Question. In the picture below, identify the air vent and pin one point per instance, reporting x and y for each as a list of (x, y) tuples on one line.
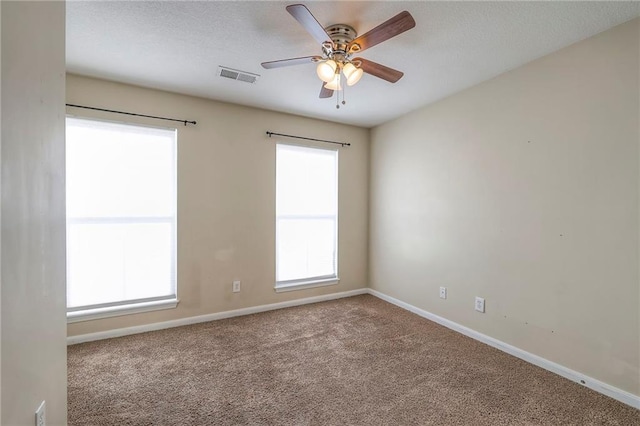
[(238, 75)]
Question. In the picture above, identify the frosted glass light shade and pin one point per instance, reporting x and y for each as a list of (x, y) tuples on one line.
[(326, 70), (334, 84), (352, 74)]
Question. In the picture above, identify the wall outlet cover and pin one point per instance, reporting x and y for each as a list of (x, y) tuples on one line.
[(443, 292), (236, 286), (479, 304)]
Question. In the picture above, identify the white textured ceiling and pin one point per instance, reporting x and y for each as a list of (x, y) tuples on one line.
[(178, 45)]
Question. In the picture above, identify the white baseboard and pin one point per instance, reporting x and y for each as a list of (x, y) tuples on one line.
[(72, 340), (598, 386)]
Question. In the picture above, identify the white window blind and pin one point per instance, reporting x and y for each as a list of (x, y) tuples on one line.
[(306, 215), (121, 214)]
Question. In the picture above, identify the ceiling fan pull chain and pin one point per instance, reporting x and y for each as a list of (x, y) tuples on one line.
[(338, 92), (344, 90)]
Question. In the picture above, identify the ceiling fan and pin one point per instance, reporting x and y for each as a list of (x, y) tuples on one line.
[(339, 43)]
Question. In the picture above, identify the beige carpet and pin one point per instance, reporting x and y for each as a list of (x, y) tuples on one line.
[(355, 361)]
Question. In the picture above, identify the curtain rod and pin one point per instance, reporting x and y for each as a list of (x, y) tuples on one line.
[(307, 139), (131, 113)]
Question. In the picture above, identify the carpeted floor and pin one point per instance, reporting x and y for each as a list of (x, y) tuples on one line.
[(354, 361)]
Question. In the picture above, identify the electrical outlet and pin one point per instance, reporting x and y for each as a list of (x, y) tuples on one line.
[(40, 415), (236, 286), (479, 304), (443, 292)]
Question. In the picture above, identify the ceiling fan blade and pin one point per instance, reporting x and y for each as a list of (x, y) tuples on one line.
[(309, 22), (400, 23), (379, 70), (288, 62), (325, 93)]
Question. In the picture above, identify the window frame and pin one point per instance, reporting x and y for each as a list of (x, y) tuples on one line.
[(316, 281), (132, 306)]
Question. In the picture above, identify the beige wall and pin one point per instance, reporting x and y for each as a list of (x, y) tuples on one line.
[(523, 190), (226, 198), (33, 240)]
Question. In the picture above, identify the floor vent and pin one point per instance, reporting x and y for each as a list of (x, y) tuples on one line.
[(247, 77)]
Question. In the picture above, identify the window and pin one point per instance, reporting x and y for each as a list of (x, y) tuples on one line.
[(121, 218), (306, 217)]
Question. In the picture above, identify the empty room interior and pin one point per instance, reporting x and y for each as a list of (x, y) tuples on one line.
[(366, 213)]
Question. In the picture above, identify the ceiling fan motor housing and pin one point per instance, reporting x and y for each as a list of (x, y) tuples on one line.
[(341, 35)]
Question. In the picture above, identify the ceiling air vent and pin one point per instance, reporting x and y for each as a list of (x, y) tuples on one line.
[(247, 77)]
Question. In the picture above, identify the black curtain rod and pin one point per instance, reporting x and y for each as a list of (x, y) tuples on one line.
[(308, 139), (131, 113)]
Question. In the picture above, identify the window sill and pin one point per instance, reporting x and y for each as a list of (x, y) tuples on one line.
[(115, 311), (302, 285)]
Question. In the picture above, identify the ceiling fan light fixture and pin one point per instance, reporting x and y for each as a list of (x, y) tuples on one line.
[(334, 84), (326, 70), (352, 73)]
